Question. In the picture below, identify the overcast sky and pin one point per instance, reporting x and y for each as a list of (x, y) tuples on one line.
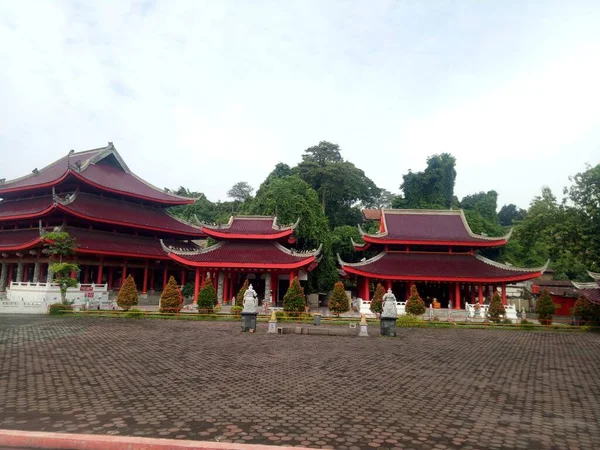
[(205, 94)]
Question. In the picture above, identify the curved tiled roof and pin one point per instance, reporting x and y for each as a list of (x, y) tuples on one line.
[(250, 227), (14, 240), (95, 208), (415, 266), (87, 166), (436, 227), (245, 254)]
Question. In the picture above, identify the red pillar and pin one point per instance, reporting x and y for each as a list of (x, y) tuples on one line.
[(165, 276), (494, 287), (152, 276), (226, 287), (99, 277), (274, 283), (291, 277), (388, 284), (25, 273), (124, 274), (111, 271), (472, 289), (504, 294), (365, 294), (204, 278), (145, 285), (11, 272), (197, 285), (480, 294), (409, 286), (182, 277), (457, 295), (86, 274)]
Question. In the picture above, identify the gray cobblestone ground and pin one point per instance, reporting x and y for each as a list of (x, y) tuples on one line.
[(428, 388)]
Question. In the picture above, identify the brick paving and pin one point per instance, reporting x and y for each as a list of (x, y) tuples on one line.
[(427, 388)]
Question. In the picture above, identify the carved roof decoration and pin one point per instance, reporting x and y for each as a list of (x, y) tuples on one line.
[(103, 168), (250, 227), (429, 227)]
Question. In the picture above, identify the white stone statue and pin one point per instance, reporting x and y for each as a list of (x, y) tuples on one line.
[(250, 300), (389, 305)]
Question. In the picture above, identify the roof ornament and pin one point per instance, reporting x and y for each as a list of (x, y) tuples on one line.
[(35, 172), (78, 165), (71, 152), (2, 180)]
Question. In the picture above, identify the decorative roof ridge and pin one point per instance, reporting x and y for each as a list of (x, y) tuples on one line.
[(180, 220), (168, 249), (433, 212), (293, 252), (277, 226), (507, 267), (594, 275), (102, 153), (355, 244), (366, 262), (586, 285), (70, 198), (506, 237), (216, 226), (376, 235)]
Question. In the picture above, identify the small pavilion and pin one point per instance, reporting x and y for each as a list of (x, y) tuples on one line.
[(437, 251), (247, 247)]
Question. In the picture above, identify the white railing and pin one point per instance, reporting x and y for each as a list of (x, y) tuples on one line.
[(365, 307)]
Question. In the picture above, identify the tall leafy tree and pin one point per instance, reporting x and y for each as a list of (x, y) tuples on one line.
[(61, 247), (509, 214), (340, 185), (432, 188), (240, 191)]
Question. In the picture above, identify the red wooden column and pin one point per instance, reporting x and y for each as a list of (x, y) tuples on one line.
[(165, 276), (99, 277), (494, 287), (197, 285), (182, 277), (504, 294), (145, 285), (152, 276), (11, 273), (472, 288), (457, 295), (124, 274), (274, 283), (86, 274), (226, 293), (480, 294), (292, 276), (365, 286), (409, 286), (388, 284), (204, 273), (111, 271), (25, 272)]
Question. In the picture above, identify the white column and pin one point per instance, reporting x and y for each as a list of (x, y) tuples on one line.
[(50, 276), (36, 272), (267, 286), (19, 272), (221, 279)]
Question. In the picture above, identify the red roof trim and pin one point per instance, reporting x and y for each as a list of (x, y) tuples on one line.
[(128, 224), (295, 265), (29, 216), (130, 255), (37, 186), (130, 194), (497, 243), (220, 235), (25, 246), (523, 277)]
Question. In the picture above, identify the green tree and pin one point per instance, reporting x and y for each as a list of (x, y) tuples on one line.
[(377, 300), (207, 297), (509, 214), (241, 191), (293, 300), (485, 203), (60, 245), (338, 302), (496, 309), (415, 305), (434, 187), (586, 310), (128, 295), (338, 183), (239, 298), (171, 299), (290, 198), (342, 241), (544, 308)]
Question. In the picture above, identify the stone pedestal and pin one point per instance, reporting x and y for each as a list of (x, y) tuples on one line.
[(272, 327), (249, 321), (362, 331), (388, 326)]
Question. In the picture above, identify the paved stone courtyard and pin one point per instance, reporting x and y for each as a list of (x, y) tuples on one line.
[(428, 388)]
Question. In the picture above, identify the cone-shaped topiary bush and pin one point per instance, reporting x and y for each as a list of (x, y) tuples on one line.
[(338, 303), (293, 300), (170, 299), (128, 295), (207, 297), (588, 311), (544, 308), (414, 304), (239, 298), (496, 308), (377, 301)]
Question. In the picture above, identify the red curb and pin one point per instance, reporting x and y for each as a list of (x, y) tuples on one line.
[(67, 441)]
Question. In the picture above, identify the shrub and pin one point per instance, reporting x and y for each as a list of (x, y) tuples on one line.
[(57, 309), (414, 304), (409, 321), (135, 313), (170, 299), (128, 296), (544, 308), (496, 308), (338, 303), (377, 301), (207, 297), (584, 309), (507, 322), (239, 298), (293, 299), (235, 309), (188, 290)]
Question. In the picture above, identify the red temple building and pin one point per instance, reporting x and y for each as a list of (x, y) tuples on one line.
[(591, 291), (116, 218), (248, 247), (437, 251)]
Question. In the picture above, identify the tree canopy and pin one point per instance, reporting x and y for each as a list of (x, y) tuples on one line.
[(432, 188)]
